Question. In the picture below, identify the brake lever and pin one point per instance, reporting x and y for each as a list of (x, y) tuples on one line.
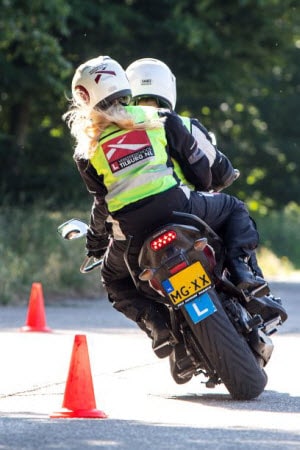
[(88, 266)]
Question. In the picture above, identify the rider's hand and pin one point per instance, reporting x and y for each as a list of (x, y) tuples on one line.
[(96, 245), (97, 254)]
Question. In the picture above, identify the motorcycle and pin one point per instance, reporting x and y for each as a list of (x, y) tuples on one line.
[(217, 330)]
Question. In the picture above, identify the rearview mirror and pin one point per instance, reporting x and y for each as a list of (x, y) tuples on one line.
[(72, 229)]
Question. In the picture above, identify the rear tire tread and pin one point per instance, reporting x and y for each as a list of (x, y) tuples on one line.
[(230, 355)]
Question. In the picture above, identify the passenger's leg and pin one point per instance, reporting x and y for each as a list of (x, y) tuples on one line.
[(229, 217)]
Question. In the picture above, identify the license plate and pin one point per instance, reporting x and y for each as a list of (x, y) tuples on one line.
[(187, 283)]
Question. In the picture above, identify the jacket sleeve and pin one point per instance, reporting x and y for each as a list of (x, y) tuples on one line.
[(223, 173), (184, 148), (97, 234)]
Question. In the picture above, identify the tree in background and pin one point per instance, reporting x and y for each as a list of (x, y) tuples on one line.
[(33, 78), (236, 66)]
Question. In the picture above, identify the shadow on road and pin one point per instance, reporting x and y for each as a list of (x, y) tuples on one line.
[(268, 401)]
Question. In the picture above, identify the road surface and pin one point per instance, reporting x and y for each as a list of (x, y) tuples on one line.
[(145, 408)]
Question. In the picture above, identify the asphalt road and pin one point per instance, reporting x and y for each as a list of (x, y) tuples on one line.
[(145, 408)]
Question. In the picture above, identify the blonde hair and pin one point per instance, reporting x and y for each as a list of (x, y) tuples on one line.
[(87, 125)]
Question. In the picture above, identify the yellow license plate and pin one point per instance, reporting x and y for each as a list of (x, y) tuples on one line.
[(187, 283)]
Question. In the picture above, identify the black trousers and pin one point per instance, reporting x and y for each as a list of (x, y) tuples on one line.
[(228, 217), (128, 297), (225, 214)]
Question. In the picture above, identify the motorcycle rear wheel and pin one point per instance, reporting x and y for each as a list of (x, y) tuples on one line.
[(229, 354)]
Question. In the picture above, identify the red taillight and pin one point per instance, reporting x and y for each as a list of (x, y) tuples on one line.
[(163, 240)]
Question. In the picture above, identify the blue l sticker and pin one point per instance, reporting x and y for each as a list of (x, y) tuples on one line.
[(200, 308)]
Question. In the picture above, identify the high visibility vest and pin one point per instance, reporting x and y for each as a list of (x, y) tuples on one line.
[(133, 163), (187, 123)]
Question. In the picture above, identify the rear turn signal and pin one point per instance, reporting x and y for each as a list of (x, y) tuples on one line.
[(200, 244), (163, 240), (146, 275)]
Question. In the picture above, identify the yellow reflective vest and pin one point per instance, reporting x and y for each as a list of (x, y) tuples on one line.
[(133, 163)]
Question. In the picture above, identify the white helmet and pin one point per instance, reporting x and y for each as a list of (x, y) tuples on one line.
[(149, 77), (100, 81)]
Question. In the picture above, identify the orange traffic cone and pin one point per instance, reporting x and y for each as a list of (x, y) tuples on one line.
[(36, 317), (79, 397)]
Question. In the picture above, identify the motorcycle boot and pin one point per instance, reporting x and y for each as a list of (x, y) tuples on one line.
[(180, 365), (242, 276), (253, 263), (158, 330), (268, 307)]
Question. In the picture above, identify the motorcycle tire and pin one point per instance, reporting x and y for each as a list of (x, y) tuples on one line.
[(229, 354)]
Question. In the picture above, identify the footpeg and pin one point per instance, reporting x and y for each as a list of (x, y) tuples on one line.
[(267, 306), (181, 364), (165, 348), (260, 291), (271, 326)]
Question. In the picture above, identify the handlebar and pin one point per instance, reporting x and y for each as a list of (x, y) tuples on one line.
[(87, 264)]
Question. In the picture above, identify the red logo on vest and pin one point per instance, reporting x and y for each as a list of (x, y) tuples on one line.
[(127, 150)]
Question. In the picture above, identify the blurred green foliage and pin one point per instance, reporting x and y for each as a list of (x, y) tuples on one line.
[(279, 231), (237, 69), (236, 64), (32, 251)]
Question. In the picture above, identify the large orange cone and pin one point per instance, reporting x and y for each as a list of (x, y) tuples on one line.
[(36, 317), (79, 397)]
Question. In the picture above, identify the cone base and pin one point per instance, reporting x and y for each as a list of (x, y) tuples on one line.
[(37, 329), (79, 414)]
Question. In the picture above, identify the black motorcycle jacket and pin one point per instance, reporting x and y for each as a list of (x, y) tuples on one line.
[(223, 173), (180, 145)]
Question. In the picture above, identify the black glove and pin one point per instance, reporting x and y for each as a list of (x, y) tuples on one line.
[(96, 245), (97, 254)]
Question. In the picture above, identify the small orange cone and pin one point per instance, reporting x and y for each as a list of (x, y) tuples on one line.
[(79, 397), (36, 317)]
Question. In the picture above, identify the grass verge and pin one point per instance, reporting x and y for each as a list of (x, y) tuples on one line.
[(32, 251)]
